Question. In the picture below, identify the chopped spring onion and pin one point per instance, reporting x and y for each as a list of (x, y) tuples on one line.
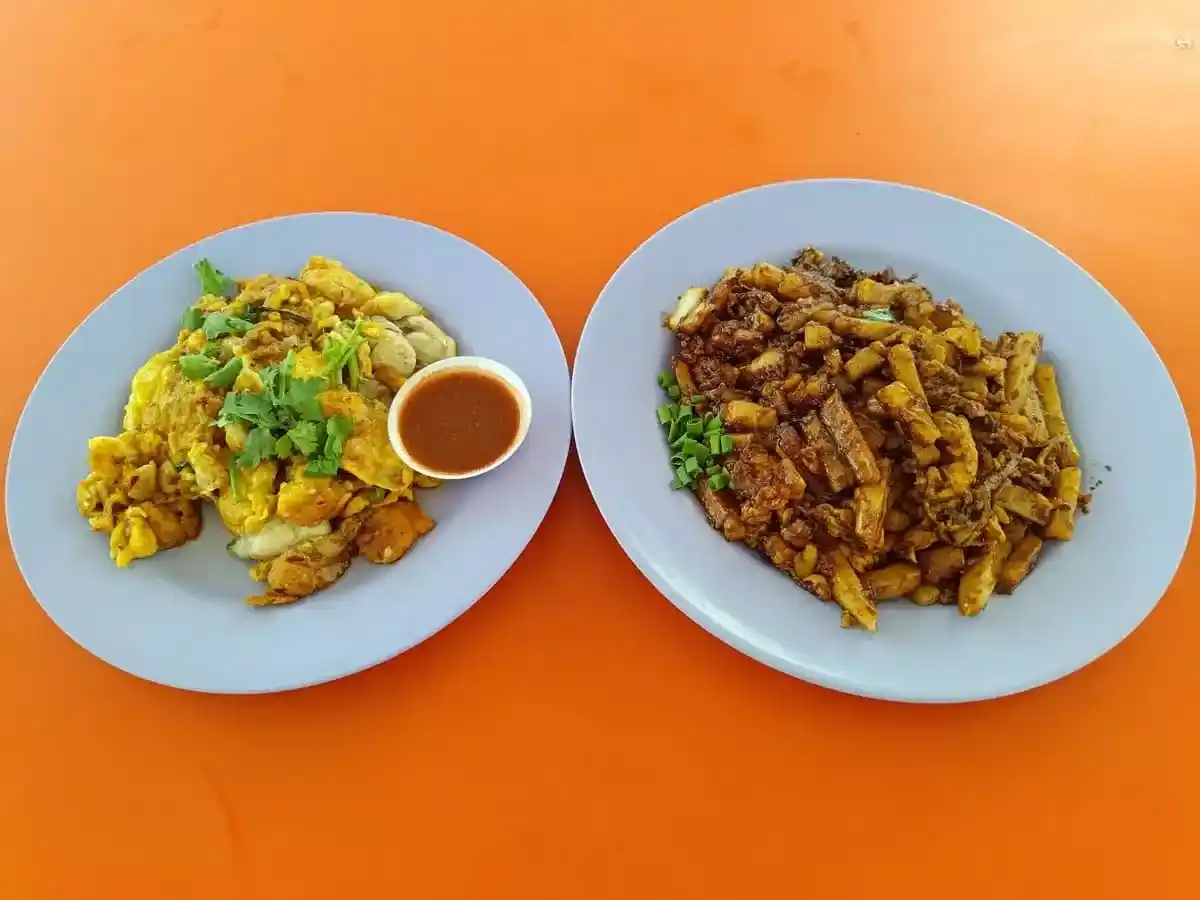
[(879, 314), (696, 439), (695, 450)]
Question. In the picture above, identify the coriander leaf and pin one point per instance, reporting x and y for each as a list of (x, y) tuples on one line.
[(283, 447), (219, 325), (327, 463), (273, 379), (320, 467), (337, 429), (225, 376), (305, 437), (247, 407), (301, 395), (260, 445), (212, 279), (193, 318), (879, 314), (196, 366)]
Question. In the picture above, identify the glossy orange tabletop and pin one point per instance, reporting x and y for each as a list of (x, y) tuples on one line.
[(574, 736)]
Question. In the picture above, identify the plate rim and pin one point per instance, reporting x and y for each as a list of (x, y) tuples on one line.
[(560, 468), (814, 674)]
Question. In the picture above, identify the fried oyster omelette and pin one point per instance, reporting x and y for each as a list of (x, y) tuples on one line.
[(272, 405), (870, 442)]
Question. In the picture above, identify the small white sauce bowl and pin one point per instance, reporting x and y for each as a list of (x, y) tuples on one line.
[(461, 364)]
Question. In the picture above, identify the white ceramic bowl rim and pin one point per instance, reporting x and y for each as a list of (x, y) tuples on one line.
[(460, 364)]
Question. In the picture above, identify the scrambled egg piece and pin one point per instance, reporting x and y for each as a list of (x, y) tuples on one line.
[(368, 453), (161, 400), (305, 500), (247, 505), (145, 485), (331, 279), (136, 497)]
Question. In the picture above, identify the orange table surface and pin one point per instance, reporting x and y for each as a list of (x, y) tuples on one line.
[(574, 736)]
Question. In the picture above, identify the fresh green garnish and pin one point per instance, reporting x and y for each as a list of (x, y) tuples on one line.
[(212, 279), (253, 409), (193, 318), (341, 353), (220, 324), (260, 445), (197, 365), (337, 429), (696, 439), (286, 419), (301, 396), (202, 365), (225, 376), (878, 314), (305, 436)]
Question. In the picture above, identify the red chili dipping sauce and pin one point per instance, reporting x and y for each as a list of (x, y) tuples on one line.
[(459, 421)]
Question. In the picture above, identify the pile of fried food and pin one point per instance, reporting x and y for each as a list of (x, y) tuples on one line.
[(272, 405), (883, 446)]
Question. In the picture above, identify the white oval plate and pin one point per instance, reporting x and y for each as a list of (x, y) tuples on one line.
[(178, 618), (1084, 596)]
